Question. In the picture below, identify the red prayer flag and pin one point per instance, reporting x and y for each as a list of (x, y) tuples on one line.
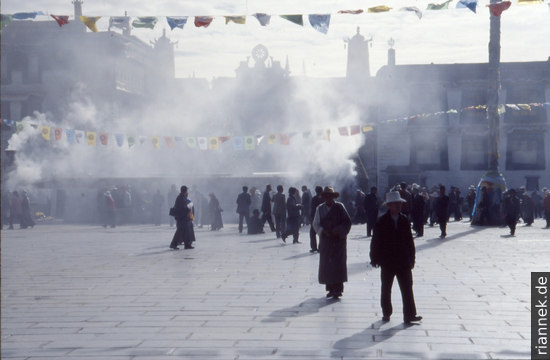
[(499, 7), (223, 139), (104, 138), (169, 141), (203, 21), (61, 19), (58, 132), (355, 129), (285, 139), (343, 131)]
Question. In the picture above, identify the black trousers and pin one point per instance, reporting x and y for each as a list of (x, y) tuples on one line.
[(404, 278), (511, 222), (280, 223), (183, 235), (443, 227), (313, 239), (241, 217), (267, 217)]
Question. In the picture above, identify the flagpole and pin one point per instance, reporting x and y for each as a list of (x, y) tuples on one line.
[(493, 180)]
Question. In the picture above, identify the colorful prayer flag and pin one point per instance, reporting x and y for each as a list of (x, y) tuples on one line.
[(5, 20), (213, 143), (470, 4), (262, 18), (58, 132), (61, 19), (169, 141), (441, 6), (259, 139), (284, 139), (203, 21), (104, 138), (320, 22), (203, 143), (238, 143), (367, 128), (119, 139), (121, 22), (249, 142), (69, 133), (520, 2), (343, 131), (176, 22), (235, 19), (223, 139), (379, 9), (91, 136), (25, 15), (271, 139), (131, 140), (191, 142), (79, 136), (354, 12), (156, 142), (45, 130), (90, 21), (145, 22), (413, 9), (19, 126), (497, 8), (355, 129), (297, 19)]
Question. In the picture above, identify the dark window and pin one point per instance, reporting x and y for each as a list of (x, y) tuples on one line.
[(429, 151), (474, 153), (525, 151)]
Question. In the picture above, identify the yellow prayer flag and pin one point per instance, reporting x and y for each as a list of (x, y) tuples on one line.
[(529, 2), (90, 21), (213, 143), (236, 19), (46, 132), (272, 139), (92, 138), (367, 128), (156, 142), (378, 9)]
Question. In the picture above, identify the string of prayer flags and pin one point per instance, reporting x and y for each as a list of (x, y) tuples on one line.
[(343, 131), (61, 19), (413, 9), (148, 22), (264, 19), (354, 12), (320, 22), (90, 22), (235, 19), (296, 19), (498, 8), (203, 21), (176, 21)]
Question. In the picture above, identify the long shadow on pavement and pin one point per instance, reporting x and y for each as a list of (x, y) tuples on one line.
[(353, 346), (310, 306)]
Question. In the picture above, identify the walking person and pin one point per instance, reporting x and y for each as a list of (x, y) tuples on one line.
[(26, 214), (417, 210), (442, 211), (512, 210), (266, 208), (243, 207), (216, 222), (293, 216), (315, 202), (279, 211), (184, 214), (527, 207), (333, 224), (372, 206), (392, 249), (306, 206)]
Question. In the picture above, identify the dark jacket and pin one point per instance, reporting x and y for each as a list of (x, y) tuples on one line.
[(279, 204), (442, 208), (390, 246), (372, 204), (292, 207), (266, 203), (417, 209), (333, 246), (183, 213), (243, 203)]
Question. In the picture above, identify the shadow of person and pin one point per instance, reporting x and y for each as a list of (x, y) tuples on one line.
[(310, 306), (354, 346)]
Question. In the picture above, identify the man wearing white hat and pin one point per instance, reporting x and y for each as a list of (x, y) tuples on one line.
[(392, 248)]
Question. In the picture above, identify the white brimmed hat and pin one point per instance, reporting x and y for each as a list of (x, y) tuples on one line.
[(394, 196)]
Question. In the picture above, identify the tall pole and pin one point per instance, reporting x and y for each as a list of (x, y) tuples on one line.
[(492, 184)]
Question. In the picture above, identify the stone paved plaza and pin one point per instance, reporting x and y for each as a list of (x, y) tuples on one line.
[(85, 292)]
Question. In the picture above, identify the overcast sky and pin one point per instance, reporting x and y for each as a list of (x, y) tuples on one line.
[(446, 36)]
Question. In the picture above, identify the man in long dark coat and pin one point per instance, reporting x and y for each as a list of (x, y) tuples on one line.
[(372, 204), (293, 217), (183, 209), (243, 207), (266, 208), (442, 211), (512, 210), (333, 224), (392, 248)]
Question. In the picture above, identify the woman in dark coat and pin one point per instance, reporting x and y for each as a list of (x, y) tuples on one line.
[(215, 210), (333, 224)]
